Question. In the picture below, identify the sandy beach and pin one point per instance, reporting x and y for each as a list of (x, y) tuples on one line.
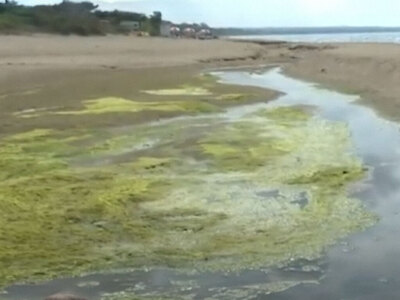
[(369, 70), (126, 152), (51, 51), (189, 150), (52, 71)]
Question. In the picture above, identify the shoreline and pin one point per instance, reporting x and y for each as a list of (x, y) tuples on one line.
[(366, 69), (371, 71)]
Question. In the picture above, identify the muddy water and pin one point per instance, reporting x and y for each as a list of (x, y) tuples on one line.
[(365, 266)]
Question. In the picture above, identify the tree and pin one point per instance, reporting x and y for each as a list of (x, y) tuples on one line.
[(76, 7), (155, 23)]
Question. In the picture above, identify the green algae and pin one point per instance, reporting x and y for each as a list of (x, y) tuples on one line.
[(52, 226), (210, 194), (279, 229), (285, 115), (201, 85), (185, 90), (50, 214), (248, 145), (233, 97), (241, 147), (31, 135), (333, 176), (200, 95), (207, 85), (16, 161), (118, 105), (289, 114)]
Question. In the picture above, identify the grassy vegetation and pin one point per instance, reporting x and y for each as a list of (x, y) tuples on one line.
[(71, 18)]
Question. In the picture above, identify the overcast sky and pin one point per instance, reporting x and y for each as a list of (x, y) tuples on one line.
[(259, 13)]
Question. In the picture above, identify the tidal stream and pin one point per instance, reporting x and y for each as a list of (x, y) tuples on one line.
[(364, 266)]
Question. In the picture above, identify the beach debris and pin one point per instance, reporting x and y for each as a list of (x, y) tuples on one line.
[(310, 47), (303, 47)]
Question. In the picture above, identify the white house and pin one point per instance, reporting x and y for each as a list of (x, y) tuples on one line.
[(165, 29)]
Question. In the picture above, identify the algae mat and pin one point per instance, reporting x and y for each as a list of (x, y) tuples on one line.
[(220, 192)]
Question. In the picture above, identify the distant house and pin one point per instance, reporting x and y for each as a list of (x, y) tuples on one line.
[(189, 33), (130, 25), (165, 28), (204, 34), (175, 32)]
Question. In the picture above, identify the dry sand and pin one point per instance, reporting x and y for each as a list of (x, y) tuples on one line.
[(31, 62), (48, 51)]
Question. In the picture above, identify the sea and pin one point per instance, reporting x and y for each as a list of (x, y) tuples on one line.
[(365, 37)]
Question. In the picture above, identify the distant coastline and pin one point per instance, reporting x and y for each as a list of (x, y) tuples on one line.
[(392, 37), (232, 31)]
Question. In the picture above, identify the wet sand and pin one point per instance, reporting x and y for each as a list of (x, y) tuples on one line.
[(55, 72), (369, 70)]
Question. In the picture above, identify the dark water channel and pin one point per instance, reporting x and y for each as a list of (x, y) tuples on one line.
[(364, 266)]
